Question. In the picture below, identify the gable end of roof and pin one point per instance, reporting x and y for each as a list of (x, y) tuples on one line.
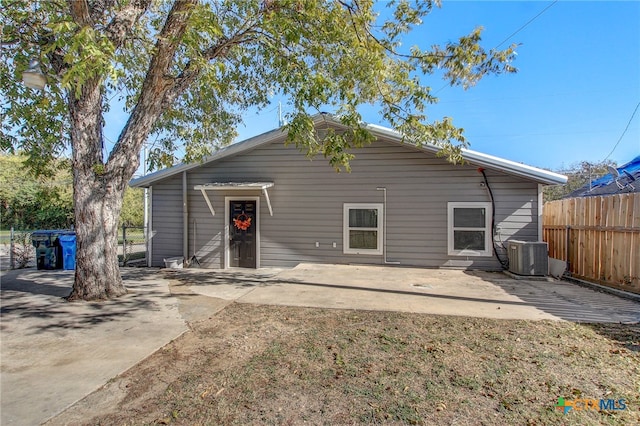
[(477, 158)]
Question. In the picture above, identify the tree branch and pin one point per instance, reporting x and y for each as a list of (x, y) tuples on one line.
[(80, 13), (124, 160), (98, 8), (219, 50), (119, 27)]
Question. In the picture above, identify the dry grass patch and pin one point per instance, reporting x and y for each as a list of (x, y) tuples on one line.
[(280, 365)]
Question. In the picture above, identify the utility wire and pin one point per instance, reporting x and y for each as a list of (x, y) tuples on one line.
[(527, 23), (624, 132), (512, 34)]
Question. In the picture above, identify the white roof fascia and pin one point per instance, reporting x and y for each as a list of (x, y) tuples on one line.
[(524, 170)]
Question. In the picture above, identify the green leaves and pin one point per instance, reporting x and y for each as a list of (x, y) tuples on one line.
[(29, 202), (88, 54), (334, 144)]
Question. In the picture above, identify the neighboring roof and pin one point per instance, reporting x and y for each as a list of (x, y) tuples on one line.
[(620, 180), (474, 157)]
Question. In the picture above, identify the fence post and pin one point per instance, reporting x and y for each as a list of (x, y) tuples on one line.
[(568, 236), (124, 245), (12, 260)]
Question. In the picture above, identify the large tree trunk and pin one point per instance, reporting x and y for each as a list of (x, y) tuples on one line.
[(97, 196), (97, 276)]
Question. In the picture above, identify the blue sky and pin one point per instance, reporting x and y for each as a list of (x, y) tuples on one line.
[(578, 82), (577, 86)]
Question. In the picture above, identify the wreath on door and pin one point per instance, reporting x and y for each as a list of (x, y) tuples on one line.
[(242, 221)]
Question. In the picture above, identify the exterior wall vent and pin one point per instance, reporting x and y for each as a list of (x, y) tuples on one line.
[(528, 257)]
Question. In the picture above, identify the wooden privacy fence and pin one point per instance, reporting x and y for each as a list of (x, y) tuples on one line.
[(598, 237)]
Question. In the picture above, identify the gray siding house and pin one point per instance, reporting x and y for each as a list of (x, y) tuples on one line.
[(259, 203)]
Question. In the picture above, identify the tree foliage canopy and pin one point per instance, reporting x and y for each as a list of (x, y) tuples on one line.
[(28, 202), (215, 59), (132, 208)]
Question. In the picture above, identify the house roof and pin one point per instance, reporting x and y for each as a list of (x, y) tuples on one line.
[(473, 157), (620, 180)]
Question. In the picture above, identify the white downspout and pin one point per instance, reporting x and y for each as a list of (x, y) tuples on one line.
[(384, 226), (185, 218), (540, 212), (149, 225)]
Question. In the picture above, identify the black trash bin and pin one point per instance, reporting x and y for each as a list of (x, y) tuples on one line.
[(45, 251)]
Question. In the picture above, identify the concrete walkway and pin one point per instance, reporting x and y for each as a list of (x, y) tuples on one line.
[(54, 353)]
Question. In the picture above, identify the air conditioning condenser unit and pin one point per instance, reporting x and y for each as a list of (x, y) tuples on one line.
[(528, 257)]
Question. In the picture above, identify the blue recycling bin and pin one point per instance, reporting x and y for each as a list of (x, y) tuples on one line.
[(68, 244)]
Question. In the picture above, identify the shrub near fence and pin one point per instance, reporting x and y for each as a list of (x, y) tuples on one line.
[(598, 237)]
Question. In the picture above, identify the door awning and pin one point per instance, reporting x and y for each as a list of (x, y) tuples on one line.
[(234, 186)]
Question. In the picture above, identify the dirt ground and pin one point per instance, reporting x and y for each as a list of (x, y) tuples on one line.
[(253, 364)]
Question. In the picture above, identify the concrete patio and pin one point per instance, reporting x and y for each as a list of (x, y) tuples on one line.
[(429, 291)]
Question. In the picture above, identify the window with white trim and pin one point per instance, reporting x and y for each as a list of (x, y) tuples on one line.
[(469, 229), (362, 228)]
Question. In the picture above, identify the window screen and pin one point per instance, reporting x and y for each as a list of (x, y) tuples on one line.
[(469, 232), (363, 228)]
